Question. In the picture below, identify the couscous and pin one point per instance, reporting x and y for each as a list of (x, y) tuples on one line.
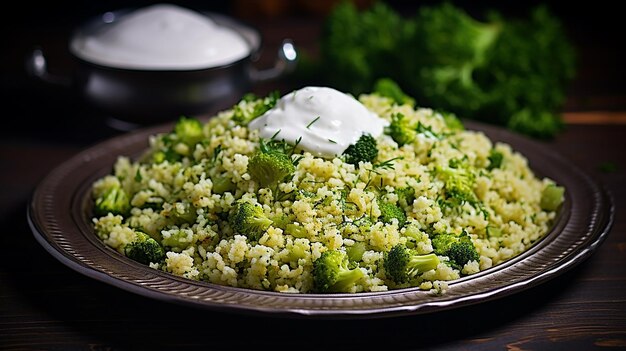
[(408, 199)]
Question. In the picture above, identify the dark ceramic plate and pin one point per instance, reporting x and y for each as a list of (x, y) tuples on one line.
[(58, 215)]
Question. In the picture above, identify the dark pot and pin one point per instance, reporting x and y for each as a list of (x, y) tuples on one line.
[(141, 97)]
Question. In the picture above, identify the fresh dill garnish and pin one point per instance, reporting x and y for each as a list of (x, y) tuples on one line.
[(216, 153), (275, 134), (388, 164), (332, 141), (313, 121)]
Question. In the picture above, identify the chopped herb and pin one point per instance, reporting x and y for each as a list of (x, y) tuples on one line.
[(216, 152), (332, 141), (313, 121), (138, 176), (388, 164), (275, 134)]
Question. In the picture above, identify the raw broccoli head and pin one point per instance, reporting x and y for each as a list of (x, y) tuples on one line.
[(459, 249), (389, 211), (332, 274), (455, 45), (144, 249), (269, 168), (113, 200), (364, 150), (189, 130), (357, 48), (250, 220), (403, 264)]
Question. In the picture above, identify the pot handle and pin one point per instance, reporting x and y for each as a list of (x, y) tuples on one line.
[(285, 63), (37, 67)]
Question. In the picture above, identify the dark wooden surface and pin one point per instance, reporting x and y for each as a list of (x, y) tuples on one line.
[(46, 305)]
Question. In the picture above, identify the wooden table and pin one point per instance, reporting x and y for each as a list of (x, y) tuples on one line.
[(46, 305)]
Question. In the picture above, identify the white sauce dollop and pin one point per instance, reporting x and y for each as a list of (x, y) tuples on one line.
[(162, 37), (327, 120)]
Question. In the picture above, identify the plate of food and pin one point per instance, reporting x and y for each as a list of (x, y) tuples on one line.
[(321, 204)]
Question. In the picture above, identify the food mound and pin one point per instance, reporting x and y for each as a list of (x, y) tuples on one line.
[(321, 192)]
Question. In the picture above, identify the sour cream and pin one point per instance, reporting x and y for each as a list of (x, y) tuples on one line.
[(161, 37), (325, 120)]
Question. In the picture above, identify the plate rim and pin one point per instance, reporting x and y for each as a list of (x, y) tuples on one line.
[(595, 235)]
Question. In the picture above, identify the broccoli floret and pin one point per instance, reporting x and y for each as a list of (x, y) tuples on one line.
[(389, 211), (144, 249), (113, 200), (406, 196), (223, 184), (388, 88), (250, 107), (459, 249), (187, 215), (270, 168), (250, 220), (413, 235), (356, 251), (401, 130), (551, 197), (272, 163), (295, 230), (458, 185), (495, 159), (493, 232), (403, 264), (332, 274), (189, 130), (364, 150)]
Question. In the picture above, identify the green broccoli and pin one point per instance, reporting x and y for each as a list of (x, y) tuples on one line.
[(113, 200), (332, 274), (551, 197), (413, 235), (223, 184), (270, 168), (388, 88), (297, 231), (459, 249), (188, 215), (403, 264), (144, 249), (406, 196), (495, 159), (364, 150), (356, 251), (251, 107), (509, 71), (189, 130), (401, 130), (389, 211), (272, 163), (458, 185), (250, 220)]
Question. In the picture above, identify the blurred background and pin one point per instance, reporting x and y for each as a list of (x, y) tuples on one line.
[(40, 112)]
